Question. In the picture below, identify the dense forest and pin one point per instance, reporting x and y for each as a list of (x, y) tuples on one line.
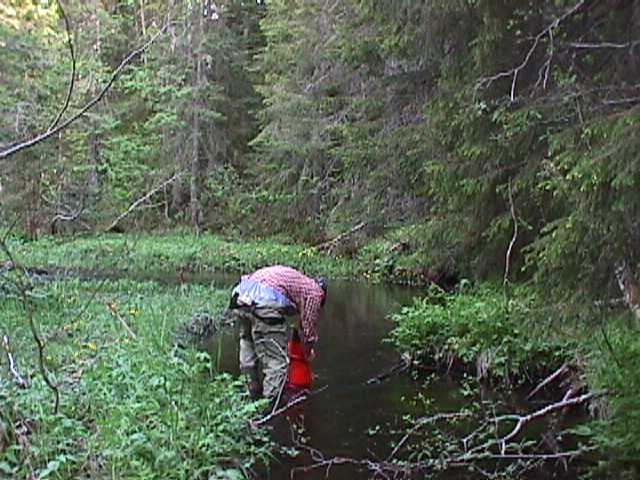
[(485, 140), (440, 126)]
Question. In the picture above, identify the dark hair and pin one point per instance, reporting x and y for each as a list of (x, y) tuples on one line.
[(322, 283)]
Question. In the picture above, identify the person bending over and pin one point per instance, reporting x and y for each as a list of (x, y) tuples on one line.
[(261, 301)]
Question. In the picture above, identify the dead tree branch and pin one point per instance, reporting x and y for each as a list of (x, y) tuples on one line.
[(143, 199), (559, 372), (61, 126), (514, 72), (291, 403), (66, 216), (514, 237), (20, 380), (329, 245), (32, 325), (604, 45), (525, 419), (629, 287)]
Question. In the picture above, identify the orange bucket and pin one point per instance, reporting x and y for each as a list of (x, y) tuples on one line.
[(300, 375)]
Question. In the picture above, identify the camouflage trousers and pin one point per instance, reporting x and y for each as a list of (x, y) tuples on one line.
[(263, 351)]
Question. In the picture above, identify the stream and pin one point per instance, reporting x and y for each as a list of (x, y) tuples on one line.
[(349, 417), (340, 419)]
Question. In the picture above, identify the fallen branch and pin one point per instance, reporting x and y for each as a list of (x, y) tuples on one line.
[(143, 199), (20, 380), (331, 244), (561, 371)]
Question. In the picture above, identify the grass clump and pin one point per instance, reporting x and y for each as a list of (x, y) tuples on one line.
[(174, 252)]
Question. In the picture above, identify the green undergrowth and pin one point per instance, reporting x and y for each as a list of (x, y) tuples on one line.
[(131, 404), (387, 259), (174, 252), (614, 366), (522, 340), (480, 330)]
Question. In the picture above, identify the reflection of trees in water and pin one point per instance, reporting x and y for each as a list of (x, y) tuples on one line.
[(357, 311)]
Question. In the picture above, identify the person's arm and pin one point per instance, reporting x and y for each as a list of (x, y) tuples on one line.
[(310, 314)]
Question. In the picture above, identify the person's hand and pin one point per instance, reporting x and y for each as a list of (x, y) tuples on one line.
[(309, 352)]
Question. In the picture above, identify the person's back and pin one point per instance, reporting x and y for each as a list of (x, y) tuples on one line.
[(262, 300)]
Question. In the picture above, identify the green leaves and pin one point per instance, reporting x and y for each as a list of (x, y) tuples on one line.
[(131, 407), (478, 327)]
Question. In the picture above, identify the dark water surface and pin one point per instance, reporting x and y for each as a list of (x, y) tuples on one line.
[(348, 417), (341, 418)]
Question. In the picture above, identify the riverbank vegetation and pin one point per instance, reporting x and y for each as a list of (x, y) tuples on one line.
[(437, 141), (129, 403), (518, 341)]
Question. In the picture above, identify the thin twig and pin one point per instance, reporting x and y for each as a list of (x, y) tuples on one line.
[(421, 422), (114, 311), (50, 132), (72, 79)]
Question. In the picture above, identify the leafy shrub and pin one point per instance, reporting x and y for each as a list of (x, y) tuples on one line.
[(478, 328), (131, 407), (616, 369)]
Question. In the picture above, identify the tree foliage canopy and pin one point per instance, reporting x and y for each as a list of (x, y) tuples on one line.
[(306, 118)]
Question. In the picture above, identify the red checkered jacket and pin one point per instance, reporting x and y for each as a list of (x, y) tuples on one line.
[(303, 291)]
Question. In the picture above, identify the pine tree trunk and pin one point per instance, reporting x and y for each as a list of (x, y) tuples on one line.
[(196, 169)]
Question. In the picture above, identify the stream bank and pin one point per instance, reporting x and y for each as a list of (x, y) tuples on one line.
[(353, 334)]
